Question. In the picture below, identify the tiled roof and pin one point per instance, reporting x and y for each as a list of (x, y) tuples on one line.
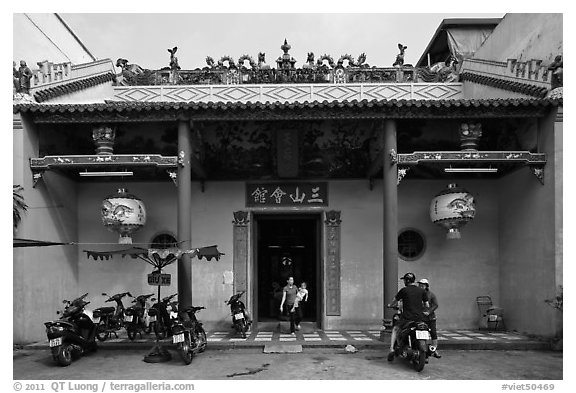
[(67, 88), (114, 111), (500, 83), (139, 106)]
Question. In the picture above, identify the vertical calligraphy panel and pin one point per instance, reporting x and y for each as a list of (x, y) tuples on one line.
[(333, 263), (240, 253)]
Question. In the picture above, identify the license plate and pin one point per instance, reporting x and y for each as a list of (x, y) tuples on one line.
[(128, 318), (422, 335), (55, 342), (239, 316), (178, 338), (152, 318)]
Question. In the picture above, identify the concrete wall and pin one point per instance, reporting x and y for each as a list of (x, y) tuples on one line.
[(42, 276), (458, 270), (524, 37), (531, 246), (39, 37), (449, 265)]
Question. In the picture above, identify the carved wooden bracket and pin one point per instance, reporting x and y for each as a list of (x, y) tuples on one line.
[(538, 171), (402, 171)]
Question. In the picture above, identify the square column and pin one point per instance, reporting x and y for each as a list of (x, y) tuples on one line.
[(390, 212), (184, 213)]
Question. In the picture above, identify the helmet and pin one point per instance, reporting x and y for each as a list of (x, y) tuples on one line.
[(424, 281), (408, 277)]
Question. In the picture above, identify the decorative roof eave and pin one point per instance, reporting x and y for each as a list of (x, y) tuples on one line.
[(504, 84), (374, 109), (67, 88)]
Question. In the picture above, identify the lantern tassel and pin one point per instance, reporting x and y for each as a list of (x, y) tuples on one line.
[(453, 233)]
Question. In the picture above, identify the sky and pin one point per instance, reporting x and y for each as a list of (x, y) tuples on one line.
[(143, 39)]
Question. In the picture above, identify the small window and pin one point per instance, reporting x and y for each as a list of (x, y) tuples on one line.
[(411, 244), (164, 240)]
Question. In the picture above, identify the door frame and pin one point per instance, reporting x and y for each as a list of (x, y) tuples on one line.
[(315, 214)]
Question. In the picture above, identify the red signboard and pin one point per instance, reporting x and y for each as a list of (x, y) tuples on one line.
[(287, 194)]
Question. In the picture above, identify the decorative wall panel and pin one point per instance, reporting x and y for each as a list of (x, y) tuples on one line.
[(332, 281), (289, 93)]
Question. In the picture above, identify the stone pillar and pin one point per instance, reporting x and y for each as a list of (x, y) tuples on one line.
[(184, 213), (390, 212)]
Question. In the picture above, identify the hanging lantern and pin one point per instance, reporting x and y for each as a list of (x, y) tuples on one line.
[(123, 213), (452, 208)]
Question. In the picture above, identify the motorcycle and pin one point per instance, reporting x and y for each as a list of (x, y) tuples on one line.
[(188, 334), (240, 320), (162, 322), (74, 334), (135, 319), (412, 341), (110, 319)]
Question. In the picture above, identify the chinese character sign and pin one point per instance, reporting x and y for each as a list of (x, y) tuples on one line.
[(287, 194)]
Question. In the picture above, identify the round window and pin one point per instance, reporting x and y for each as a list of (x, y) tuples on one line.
[(411, 244), (164, 240)]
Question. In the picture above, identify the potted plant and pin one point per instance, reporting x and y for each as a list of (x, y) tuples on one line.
[(558, 303)]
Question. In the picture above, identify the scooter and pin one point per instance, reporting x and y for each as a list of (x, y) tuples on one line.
[(412, 342), (135, 319), (162, 323), (110, 319), (240, 320), (188, 334), (74, 334)]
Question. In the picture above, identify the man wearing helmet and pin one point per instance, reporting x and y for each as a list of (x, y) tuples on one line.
[(430, 314), (414, 299)]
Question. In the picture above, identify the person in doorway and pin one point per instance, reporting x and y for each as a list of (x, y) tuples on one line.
[(301, 296), (288, 298), (414, 299), (430, 315)]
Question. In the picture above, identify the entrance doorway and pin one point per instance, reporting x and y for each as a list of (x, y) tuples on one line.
[(287, 245)]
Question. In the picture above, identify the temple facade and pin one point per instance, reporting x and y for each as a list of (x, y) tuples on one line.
[(343, 174)]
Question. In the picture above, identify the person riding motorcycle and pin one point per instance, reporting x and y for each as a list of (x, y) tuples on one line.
[(414, 299)]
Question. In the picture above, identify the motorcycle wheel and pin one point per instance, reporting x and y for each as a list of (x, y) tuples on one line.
[(185, 352), (131, 333), (64, 357), (101, 332), (421, 360), (202, 340), (241, 327), (159, 330)]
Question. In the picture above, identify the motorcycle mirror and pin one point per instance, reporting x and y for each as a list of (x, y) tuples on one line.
[(104, 294), (65, 301)]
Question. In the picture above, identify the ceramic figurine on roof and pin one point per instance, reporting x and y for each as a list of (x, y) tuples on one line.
[(309, 61), (557, 72), (173, 59), (24, 76), (262, 61), (400, 56), (15, 77), (286, 61)]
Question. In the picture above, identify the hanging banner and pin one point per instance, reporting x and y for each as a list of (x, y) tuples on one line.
[(286, 194)]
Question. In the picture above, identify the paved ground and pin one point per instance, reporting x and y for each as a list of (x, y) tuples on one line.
[(221, 363)]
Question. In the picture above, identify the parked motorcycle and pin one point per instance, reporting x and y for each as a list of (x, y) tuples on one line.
[(162, 322), (135, 319), (188, 334), (412, 342), (110, 319), (240, 320), (74, 334)]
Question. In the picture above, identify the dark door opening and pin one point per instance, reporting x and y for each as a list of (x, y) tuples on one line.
[(287, 245)]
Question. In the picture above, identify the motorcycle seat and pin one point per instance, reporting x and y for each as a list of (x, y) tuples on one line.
[(192, 309), (105, 310)]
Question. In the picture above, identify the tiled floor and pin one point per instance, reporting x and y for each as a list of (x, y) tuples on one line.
[(329, 337)]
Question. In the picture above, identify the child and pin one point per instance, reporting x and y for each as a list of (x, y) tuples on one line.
[(301, 295)]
